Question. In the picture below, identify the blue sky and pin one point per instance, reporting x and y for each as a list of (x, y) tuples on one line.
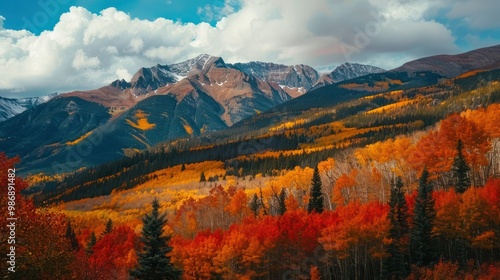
[(19, 12), (62, 45)]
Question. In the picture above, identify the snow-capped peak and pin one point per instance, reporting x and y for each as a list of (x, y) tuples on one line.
[(201, 62), (349, 70), (11, 107)]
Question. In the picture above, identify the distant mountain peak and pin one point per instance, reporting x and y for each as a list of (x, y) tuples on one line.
[(10, 107), (351, 70), (347, 71), (201, 62), (298, 76), (149, 79), (120, 84)]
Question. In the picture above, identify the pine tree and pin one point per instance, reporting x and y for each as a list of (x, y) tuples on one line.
[(183, 167), (316, 197), (153, 261), (92, 241), (460, 170), (281, 202), (462, 183), (109, 227), (397, 265), (71, 236), (255, 204), (422, 244), (202, 177)]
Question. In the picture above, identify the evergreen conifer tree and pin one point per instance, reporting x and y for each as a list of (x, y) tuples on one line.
[(92, 241), (316, 197), (154, 263), (422, 244), (460, 170), (202, 177), (108, 229), (71, 236), (397, 265)]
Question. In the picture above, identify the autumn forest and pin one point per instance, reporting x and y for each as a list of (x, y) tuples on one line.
[(402, 183)]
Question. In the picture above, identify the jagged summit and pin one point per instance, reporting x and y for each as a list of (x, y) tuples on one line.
[(10, 107), (149, 79), (201, 62), (347, 71), (120, 84), (293, 76)]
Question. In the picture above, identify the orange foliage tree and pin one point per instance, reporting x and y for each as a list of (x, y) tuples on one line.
[(437, 149), (358, 235), (41, 248)]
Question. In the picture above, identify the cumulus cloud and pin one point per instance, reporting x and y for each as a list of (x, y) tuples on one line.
[(476, 14), (82, 61), (86, 50)]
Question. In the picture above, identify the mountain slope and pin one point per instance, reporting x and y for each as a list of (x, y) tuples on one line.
[(45, 130), (240, 95), (9, 108), (454, 65)]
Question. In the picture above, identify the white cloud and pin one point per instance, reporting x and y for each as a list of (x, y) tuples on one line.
[(122, 73), (476, 14), (112, 50), (136, 45), (82, 61), (86, 50)]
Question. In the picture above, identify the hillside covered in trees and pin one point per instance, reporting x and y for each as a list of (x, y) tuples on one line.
[(393, 185)]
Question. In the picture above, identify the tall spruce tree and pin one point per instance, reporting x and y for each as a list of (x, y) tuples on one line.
[(422, 243), (460, 170), (108, 228), (315, 196), (397, 265), (462, 183), (154, 264), (92, 241), (71, 236)]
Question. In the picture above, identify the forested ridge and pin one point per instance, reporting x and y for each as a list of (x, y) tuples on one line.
[(399, 185)]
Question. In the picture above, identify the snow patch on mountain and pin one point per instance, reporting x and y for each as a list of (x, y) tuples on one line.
[(347, 71), (293, 76), (10, 107)]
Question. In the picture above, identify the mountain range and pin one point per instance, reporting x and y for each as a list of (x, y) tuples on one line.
[(193, 99), (10, 107), (346, 71)]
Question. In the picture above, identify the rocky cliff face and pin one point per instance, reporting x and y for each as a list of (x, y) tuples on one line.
[(346, 71), (291, 76)]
